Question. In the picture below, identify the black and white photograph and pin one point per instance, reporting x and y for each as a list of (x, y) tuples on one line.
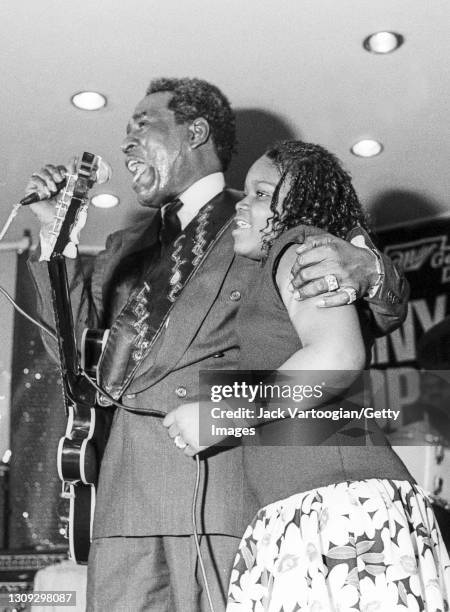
[(225, 306)]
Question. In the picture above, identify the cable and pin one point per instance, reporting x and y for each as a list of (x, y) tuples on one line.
[(9, 220), (195, 533), (26, 315), (155, 413)]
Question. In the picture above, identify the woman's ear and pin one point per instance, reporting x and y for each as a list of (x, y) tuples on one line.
[(199, 132)]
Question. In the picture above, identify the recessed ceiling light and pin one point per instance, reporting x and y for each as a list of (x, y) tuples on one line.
[(383, 42), (105, 200), (88, 100), (367, 148)]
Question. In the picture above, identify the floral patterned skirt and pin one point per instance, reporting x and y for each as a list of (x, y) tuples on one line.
[(372, 545)]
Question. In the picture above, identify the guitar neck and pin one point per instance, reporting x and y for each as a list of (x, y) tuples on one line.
[(72, 199), (74, 385)]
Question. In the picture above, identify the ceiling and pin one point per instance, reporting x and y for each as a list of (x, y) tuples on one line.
[(294, 68)]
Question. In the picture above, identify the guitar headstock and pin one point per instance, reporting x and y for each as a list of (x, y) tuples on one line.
[(71, 209)]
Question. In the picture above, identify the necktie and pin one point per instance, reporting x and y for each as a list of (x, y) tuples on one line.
[(171, 226)]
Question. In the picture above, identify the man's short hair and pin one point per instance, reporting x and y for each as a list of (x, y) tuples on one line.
[(194, 98)]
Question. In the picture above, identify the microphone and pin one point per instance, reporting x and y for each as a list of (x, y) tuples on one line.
[(102, 175)]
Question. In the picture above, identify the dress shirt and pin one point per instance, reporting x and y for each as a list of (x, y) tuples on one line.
[(197, 195)]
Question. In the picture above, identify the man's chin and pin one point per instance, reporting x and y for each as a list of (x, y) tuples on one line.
[(146, 202), (148, 196)]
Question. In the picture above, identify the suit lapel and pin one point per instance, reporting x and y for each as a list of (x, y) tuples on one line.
[(190, 309), (131, 241)]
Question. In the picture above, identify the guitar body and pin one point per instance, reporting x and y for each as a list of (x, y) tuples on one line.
[(80, 453), (80, 450), (81, 513)]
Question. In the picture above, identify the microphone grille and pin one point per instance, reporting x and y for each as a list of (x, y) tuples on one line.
[(104, 171)]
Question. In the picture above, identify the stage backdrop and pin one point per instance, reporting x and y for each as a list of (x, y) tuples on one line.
[(7, 281), (422, 250), (37, 422)]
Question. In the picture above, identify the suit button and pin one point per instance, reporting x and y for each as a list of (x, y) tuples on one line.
[(235, 296), (181, 391)]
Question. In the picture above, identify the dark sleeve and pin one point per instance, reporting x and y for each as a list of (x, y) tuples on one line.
[(389, 306), (85, 295)]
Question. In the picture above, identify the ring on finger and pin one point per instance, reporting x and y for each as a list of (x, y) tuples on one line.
[(351, 292), (179, 442), (332, 282)]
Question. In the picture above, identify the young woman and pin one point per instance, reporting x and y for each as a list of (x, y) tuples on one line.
[(342, 525)]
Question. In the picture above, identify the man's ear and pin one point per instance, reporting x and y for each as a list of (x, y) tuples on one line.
[(199, 132)]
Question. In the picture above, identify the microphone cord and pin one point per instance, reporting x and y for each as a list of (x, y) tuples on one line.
[(154, 413), (16, 207), (195, 534), (9, 220), (26, 315)]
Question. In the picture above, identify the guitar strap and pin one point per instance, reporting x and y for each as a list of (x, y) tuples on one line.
[(142, 319)]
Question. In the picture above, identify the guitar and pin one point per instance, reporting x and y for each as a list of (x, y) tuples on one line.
[(81, 448)]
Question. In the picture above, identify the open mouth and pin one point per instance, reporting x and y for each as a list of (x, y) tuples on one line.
[(242, 223), (137, 168)]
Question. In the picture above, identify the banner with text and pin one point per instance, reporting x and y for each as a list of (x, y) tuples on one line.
[(423, 252)]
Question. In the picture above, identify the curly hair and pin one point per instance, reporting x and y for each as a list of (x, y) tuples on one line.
[(194, 98), (320, 192)]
